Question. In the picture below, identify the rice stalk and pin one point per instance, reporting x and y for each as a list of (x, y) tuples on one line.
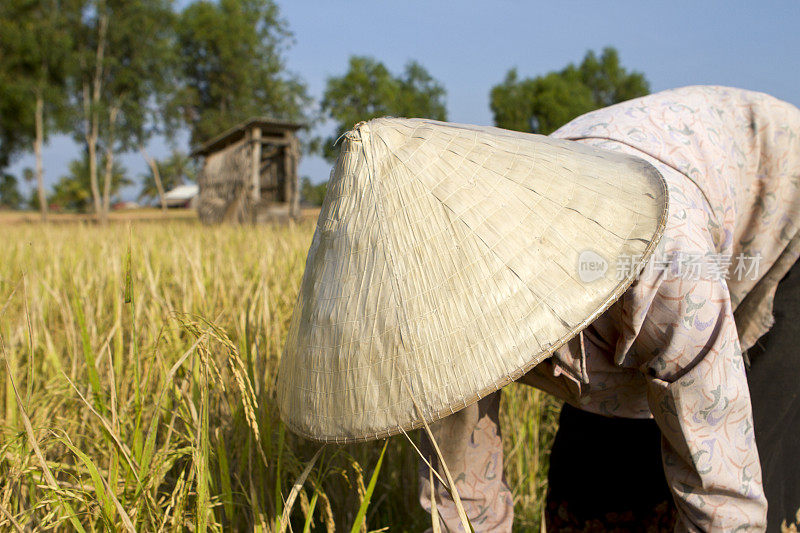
[(287, 510), (52, 484), (359, 524), (436, 527), (308, 510)]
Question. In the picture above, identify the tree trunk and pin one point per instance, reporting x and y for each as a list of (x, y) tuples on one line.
[(109, 167), (37, 150), (91, 116), (156, 176), (91, 146)]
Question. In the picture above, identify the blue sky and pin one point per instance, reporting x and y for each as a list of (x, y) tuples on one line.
[(469, 46)]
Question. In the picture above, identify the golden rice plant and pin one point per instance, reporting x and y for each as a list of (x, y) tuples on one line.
[(139, 391)]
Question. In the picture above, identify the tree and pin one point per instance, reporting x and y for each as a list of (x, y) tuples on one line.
[(175, 170), (161, 113), (72, 192), (609, 82), (545, 103), (11, 113), (539, 105), (231, 56), (313, 194), (369, 90), (16, 122), (123, 49), (10, 198), (36, 44)]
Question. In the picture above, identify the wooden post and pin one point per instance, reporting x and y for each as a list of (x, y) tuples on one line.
[(255, 141), (294, 209), (287, 171), (290, 153)]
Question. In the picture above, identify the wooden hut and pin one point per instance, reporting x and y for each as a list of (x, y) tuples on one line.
[(249, 173)]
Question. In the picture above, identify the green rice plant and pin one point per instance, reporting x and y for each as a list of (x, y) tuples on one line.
[(365, 501)]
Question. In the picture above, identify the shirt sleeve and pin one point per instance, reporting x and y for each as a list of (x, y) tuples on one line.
[(679, 331)]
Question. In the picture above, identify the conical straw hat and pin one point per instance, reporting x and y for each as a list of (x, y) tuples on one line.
[(447, 261)]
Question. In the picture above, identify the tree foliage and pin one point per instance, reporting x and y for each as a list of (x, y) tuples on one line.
[(34, 66), (136, 65), (72, 191), (233, 68), (124, 55), (14, 120), (368, 90), (545, 103), (312, 194), (10, 197), (36, 42)]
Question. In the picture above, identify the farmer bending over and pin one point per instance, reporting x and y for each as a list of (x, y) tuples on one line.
[(622, 265)]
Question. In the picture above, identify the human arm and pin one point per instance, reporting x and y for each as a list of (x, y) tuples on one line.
[(681, 335)]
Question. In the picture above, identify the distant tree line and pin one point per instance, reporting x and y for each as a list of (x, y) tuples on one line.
[(545, 103), (113, 74)]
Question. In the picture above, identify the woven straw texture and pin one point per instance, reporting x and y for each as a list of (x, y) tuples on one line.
[(447, 261)]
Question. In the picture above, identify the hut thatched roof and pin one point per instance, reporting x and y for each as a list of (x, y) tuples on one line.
[(268, 126)]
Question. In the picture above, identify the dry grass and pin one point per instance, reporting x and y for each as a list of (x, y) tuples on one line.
[(143, 357), (123, 215), (143, 214)]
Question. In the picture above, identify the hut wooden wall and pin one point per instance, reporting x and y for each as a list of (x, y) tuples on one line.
[(224, 194), (228, 192)]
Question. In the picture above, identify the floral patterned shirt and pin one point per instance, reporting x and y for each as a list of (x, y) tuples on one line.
[(671, 347)]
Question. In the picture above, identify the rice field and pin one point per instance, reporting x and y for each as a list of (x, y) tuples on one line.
[(138, 391)]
